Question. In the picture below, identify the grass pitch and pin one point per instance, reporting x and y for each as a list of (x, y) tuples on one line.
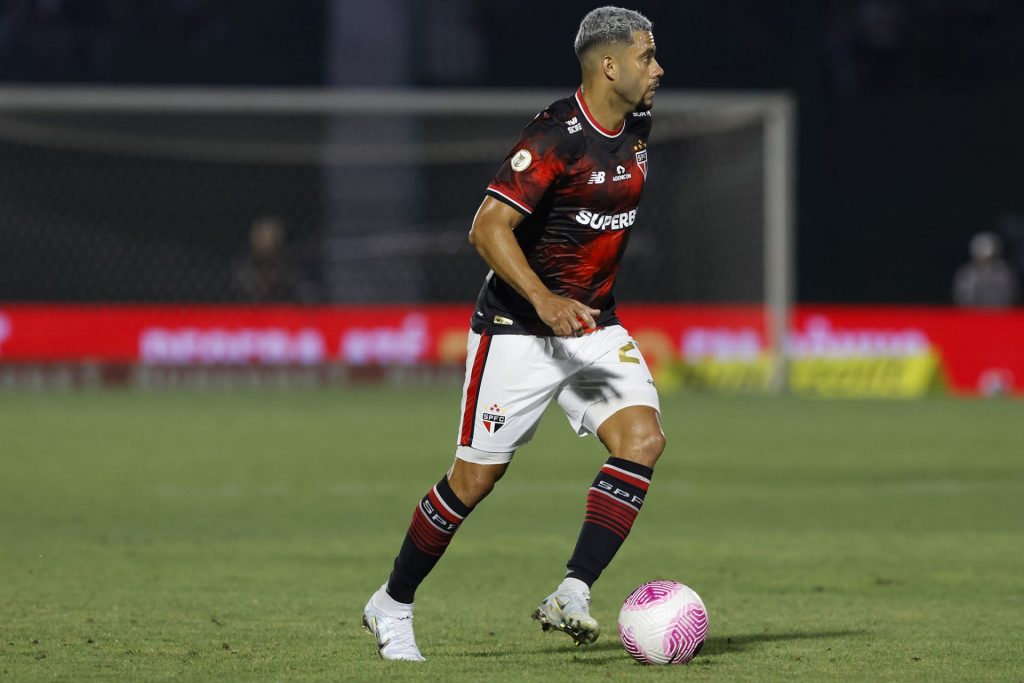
[(236, 536)]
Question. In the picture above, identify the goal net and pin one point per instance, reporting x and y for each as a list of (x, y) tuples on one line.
[(151, 195)]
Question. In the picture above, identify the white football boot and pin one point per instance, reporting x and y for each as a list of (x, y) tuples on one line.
[(568, 610), (390, 622)]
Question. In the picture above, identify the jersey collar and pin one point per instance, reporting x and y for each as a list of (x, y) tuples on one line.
[(593, 122)]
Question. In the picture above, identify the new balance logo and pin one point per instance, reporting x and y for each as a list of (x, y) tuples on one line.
[(574, 125), (596, 178)]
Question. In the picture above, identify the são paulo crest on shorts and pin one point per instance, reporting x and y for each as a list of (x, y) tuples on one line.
[(493, 419)]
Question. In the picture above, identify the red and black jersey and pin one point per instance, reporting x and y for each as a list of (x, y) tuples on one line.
[(579, 185)]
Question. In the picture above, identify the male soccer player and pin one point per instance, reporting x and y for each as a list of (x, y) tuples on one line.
[(553, 226)]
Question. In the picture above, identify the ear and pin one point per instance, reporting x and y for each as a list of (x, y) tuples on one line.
[(609, 67)]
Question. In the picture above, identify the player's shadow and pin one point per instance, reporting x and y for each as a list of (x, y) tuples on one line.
[(596, 386), (715, 646), (610, 649)]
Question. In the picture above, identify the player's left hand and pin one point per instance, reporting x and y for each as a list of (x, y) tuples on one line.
[(567, 317)]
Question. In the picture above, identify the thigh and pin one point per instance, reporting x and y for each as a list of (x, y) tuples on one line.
[(510, 379), (613, 376)]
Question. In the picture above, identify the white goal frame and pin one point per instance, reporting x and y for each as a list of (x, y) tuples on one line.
[(776, 110)]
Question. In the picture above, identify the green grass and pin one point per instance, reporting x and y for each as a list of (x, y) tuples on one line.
[(236, 536)]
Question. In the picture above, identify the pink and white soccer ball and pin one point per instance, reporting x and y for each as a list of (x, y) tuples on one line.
[(663, 622)]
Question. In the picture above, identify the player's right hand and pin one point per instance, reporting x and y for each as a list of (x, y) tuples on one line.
[(567, 317)]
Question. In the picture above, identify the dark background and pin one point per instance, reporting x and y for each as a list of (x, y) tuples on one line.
[(909, 110)]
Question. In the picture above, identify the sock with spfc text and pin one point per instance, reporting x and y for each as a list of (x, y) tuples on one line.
[(613, 502), (434, 521)]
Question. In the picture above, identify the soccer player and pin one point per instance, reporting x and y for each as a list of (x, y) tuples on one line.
[(553, 227)]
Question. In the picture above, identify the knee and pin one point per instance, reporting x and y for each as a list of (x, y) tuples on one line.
[(481, 483), (634, 434), (644, 448), (472, 483)]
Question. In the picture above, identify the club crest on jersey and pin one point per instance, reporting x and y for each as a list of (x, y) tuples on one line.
[(640, 150), (521, 160), (493, 419)]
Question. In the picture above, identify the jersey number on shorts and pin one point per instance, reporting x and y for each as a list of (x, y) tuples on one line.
[(625, 349)]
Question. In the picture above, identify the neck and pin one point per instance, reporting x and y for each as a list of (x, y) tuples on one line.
[(606, 109)]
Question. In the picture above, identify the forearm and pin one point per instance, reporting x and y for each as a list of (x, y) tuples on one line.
[(498, 247), (494, 238)]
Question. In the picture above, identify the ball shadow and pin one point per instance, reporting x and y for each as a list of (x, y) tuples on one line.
[(714, 646)]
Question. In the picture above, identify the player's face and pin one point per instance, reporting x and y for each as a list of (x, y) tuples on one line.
[(641, 73)]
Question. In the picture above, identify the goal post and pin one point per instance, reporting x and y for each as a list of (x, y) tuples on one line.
[(147, 194), (779, 226)]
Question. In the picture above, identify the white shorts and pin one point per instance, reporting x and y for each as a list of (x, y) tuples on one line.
[(511, 379)]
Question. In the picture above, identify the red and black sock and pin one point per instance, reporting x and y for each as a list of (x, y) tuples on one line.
[(434, 521), (613, 502)]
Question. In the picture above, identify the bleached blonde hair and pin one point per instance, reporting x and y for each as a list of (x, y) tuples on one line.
[(609, 24)]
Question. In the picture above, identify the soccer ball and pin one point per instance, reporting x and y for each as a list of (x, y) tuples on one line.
[(663, 622)]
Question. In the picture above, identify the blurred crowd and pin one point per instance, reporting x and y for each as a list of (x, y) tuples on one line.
[(991, 278)]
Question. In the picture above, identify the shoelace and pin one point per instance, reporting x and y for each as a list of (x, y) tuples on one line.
[(402, 634)]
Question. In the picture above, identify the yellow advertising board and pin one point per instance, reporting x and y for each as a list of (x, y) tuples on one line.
[(837, 377)]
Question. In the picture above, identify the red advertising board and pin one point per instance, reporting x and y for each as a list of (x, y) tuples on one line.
[(979, 350)]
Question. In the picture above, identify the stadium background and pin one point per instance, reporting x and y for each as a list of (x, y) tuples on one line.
[(906, 147), (908, 143)]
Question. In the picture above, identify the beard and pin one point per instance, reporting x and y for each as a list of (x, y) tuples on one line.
[(644, 105), (646, 100)]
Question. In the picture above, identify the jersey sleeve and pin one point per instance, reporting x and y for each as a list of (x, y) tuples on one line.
[(534, 164)]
